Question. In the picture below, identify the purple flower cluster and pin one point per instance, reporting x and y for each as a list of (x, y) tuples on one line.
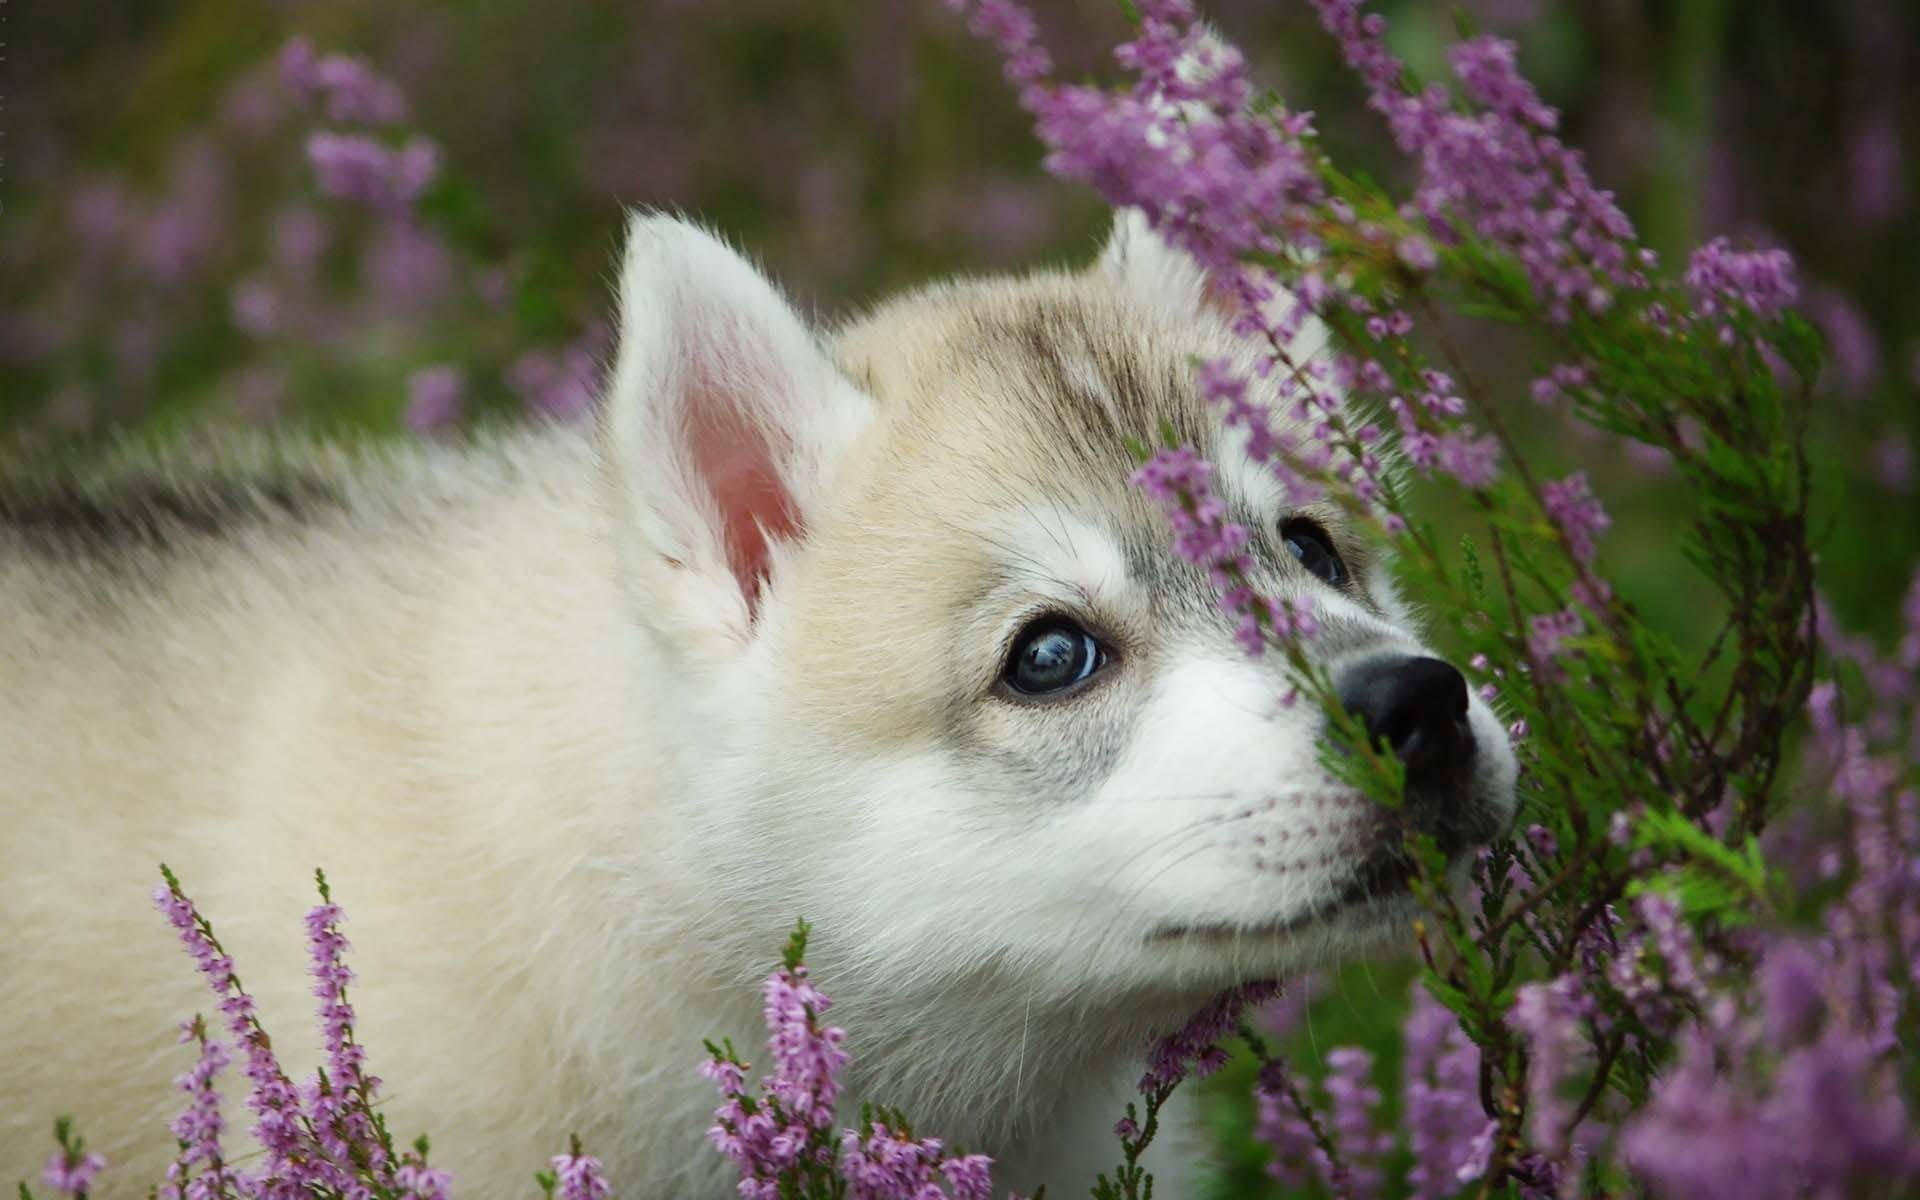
[(1346, 1152), (579, 1177), (1182, 482), (340, 1098), (1440, 1097), (886, 1164), (73, 1168), (1571, 506), (323, 1137), (782, 1140), (1242, 191), (433, 397), (356, 167), (347, 89), (1793, 1087), (1195, 1047), (279, 1123), (1727, 280), (1498, 170), (1787, 1077), (200, 1123)]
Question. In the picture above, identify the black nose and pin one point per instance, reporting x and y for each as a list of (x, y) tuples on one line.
[(1418, 706)]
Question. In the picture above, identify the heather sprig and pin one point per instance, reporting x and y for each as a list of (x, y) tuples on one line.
[(72, 1169), (200, 1123), (1618, 920), (1195, 1049), (782, 1140), (323, 1138)]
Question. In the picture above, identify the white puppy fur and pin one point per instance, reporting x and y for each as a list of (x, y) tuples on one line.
[(580, 720)]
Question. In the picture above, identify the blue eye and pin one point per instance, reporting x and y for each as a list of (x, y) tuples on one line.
[(1051, 655), (1309, 543)]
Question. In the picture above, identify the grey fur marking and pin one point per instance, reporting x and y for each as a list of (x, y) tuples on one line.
[(64, 518)]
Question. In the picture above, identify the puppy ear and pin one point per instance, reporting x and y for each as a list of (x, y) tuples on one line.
[(1136, 259), (723, 426), (1155, 274)]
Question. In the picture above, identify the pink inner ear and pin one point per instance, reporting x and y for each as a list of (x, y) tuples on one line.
[(732, 455)]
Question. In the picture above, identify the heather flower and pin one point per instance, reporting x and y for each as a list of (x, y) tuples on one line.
[(1196, 1044), (1282, 1125), (1352, 1104), (199, 1125), (1892, 459), (255, 306), (1571, 506), (781, 1139), (1182, 483), (417, 1181), (807, 1055), (1418, 253), (409, 271), (1876, 165), (1760, 281), (73, 1168), (1474, 461), (889, 1164), (1347, 1150), (1548, 1015), (1499, 170), (348, 89), (278, 1124), (73, 1176), (433, 397), (341, 1100), (557, 384), (1853, 350), (1547, 634), (579, 1176), (1440, 1097), (361, 169)]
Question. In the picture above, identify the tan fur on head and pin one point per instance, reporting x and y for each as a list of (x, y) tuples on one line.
[(579, 721)]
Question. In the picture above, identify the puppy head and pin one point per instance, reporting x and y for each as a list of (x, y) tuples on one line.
[(947, 689)]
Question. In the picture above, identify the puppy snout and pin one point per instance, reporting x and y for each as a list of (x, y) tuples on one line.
[(1417, 706)]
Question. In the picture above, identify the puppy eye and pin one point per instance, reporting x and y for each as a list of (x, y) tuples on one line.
[(1052, 654), (1308, 542)]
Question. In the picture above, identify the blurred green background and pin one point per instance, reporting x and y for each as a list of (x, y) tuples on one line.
[(168, 262)]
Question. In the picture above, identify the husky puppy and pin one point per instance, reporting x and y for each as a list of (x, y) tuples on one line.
[(866, 627)]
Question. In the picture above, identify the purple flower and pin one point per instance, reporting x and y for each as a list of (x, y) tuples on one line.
[(255, 306), (433, 397), (1547, 633), (1854, 351), (1760, 281), (1548, 1015), (348, 90), (580, 1177), (1175, 1055), (1571, 506), (1353, 1103), (341, 1101), (1418, 253), (1892, 458), (72, 1174), (417, 1181), (1874, 160), (361, 169), (558, 384), (781, 1140), (271, 1096), (1440, 1098), (199, 1125), (1498, 170)]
